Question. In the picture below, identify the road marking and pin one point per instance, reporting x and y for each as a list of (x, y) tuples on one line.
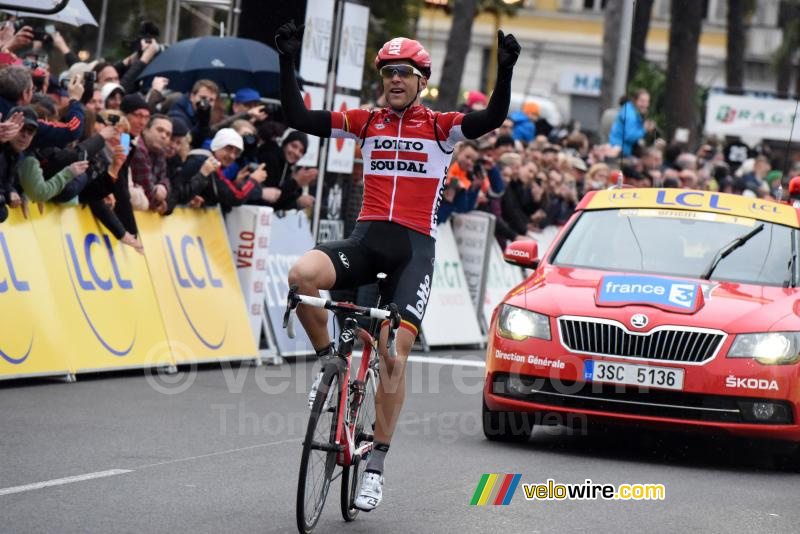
[(112, 472), (65, 480), (446, 361), (229, 451)]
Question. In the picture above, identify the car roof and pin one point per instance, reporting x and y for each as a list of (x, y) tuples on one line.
[(692, 200)]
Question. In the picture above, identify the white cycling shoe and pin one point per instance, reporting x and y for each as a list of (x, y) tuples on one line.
[(370, 492)]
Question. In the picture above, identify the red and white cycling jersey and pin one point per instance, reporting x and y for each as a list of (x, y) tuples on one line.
[(404, 165)]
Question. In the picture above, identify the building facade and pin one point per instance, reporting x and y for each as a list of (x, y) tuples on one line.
[(562, 42)]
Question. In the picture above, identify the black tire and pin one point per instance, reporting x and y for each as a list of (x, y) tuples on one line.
[(509, 427), (316, 465), (365, 424)]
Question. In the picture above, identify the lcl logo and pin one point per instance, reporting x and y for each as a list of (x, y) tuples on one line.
[(15, 283), (89, 285), (187, 276)]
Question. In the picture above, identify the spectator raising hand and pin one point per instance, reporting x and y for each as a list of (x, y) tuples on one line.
[(10, 128)]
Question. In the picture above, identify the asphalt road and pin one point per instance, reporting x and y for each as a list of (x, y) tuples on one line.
[(219, 452)]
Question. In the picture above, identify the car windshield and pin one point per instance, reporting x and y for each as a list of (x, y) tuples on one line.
[(678, 243)]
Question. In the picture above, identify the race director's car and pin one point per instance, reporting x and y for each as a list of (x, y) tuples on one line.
[(660, 306)]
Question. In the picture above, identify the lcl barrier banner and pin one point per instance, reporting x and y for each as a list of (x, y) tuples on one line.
[(101, 291), (501, 278), (291, 238), (195, 281), (450, 317), (474, 232), (249, 235), (31, 333)]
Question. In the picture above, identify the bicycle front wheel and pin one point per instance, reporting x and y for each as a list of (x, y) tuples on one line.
[(364, 429), (319, 455)]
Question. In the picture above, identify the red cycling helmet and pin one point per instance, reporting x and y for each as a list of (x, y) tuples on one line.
[(401, 48)]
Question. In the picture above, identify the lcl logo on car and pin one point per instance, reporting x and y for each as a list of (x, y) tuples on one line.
[(639, 320)]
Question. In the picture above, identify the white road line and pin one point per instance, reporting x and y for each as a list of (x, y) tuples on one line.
[(446, 361), (62, 481), (189, 458), (112, 472)]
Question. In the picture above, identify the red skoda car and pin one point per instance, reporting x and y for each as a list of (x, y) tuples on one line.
[(667, 307)]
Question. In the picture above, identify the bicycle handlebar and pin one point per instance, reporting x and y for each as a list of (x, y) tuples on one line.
[(390, 314)]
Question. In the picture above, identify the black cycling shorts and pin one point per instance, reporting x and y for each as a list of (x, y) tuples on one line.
[(405, 255)]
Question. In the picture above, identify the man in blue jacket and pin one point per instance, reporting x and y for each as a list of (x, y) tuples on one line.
[(195, 110), (630, 125), (16, 89)]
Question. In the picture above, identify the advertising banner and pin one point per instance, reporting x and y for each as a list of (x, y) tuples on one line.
[(249, 234), (291, 238), (30, 321), (196, 284), (317, 41), (314, 98), (765, 118), (352, 46), (501, 278), (102, 292), (473, 231), (450, 317), (342, 151)]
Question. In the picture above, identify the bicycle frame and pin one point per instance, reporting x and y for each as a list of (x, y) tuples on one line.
[(346, 424)]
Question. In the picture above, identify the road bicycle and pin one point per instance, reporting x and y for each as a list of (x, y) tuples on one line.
[(341, 423)]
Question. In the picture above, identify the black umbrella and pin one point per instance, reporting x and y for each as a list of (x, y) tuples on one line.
[(230, 61)]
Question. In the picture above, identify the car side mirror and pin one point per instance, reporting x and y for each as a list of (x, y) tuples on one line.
[(522, 253)]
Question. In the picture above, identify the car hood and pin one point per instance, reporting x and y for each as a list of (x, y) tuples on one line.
[(731, 307)]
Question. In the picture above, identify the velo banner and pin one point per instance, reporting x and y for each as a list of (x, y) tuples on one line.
[(249, 235)]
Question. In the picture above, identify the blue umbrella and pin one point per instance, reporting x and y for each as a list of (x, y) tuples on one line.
[(231, 62)]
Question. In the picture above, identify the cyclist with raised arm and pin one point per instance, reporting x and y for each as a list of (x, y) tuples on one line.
[(406, 149)]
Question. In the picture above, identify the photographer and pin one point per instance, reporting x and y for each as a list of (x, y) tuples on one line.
[(195, 110), (246, 106), (16, 89)]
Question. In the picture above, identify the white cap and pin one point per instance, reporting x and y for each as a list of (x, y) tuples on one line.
[(109, 88), (227, 137)]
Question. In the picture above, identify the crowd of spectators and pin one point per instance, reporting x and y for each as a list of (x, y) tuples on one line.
[(531, 174), (94, 135)]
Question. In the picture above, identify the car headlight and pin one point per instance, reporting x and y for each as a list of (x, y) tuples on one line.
[(518, 324), (769, 348)]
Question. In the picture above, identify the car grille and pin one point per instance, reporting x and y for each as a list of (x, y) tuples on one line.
[(609, 338), (617, 399)]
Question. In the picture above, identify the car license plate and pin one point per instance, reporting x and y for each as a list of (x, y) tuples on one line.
[(635, 375)]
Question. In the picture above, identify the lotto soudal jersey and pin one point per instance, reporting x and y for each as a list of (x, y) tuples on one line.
[(404, 163)]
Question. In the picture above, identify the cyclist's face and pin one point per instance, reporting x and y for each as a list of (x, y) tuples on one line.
[(401, 88)]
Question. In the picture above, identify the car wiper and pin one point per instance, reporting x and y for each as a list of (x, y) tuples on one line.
[(727, 249)]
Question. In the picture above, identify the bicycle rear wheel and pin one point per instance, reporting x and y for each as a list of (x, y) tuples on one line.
[(319, 455), (365, 426)]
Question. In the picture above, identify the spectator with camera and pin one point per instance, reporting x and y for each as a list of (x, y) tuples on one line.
[(148, 163), (203, 179), (107, 193), (246, 106), (195, 110), (16, 89), (27, 171)]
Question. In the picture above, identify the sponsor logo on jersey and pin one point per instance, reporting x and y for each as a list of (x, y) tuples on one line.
[(344, 260), (423, 293)]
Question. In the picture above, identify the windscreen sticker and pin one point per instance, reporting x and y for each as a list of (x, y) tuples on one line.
[(677, 295), (687, 215)]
